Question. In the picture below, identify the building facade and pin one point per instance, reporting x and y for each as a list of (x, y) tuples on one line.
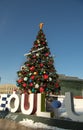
[(7, 88)]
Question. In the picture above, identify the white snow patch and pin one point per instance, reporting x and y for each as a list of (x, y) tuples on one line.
[(32, 124)]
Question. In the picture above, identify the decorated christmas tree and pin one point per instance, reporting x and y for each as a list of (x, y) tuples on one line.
[(38, 74)]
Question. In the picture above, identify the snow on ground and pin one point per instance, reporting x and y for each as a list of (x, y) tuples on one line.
[(36, 125), (78, 105)]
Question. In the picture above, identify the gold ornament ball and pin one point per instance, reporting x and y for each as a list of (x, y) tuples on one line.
[(38, 41), (44, 72), (19, 74), (29, 91), (35, 73)]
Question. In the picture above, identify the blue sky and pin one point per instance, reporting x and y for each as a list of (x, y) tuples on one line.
[(63, 28)]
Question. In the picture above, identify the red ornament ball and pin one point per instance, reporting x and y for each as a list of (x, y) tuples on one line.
[(27, 64), (56, 85), (32, 77), (41, 65), (32, 68), (34, 56), (47, 54), (20, 80), (31, 84), (45, 76), (41, 89), (43, 43), (24, 85), (36, 45)]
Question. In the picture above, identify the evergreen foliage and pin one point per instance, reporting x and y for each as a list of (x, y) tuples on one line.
[(38, 74)]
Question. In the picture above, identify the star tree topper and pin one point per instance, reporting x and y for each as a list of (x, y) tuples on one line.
[(41, 25)]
